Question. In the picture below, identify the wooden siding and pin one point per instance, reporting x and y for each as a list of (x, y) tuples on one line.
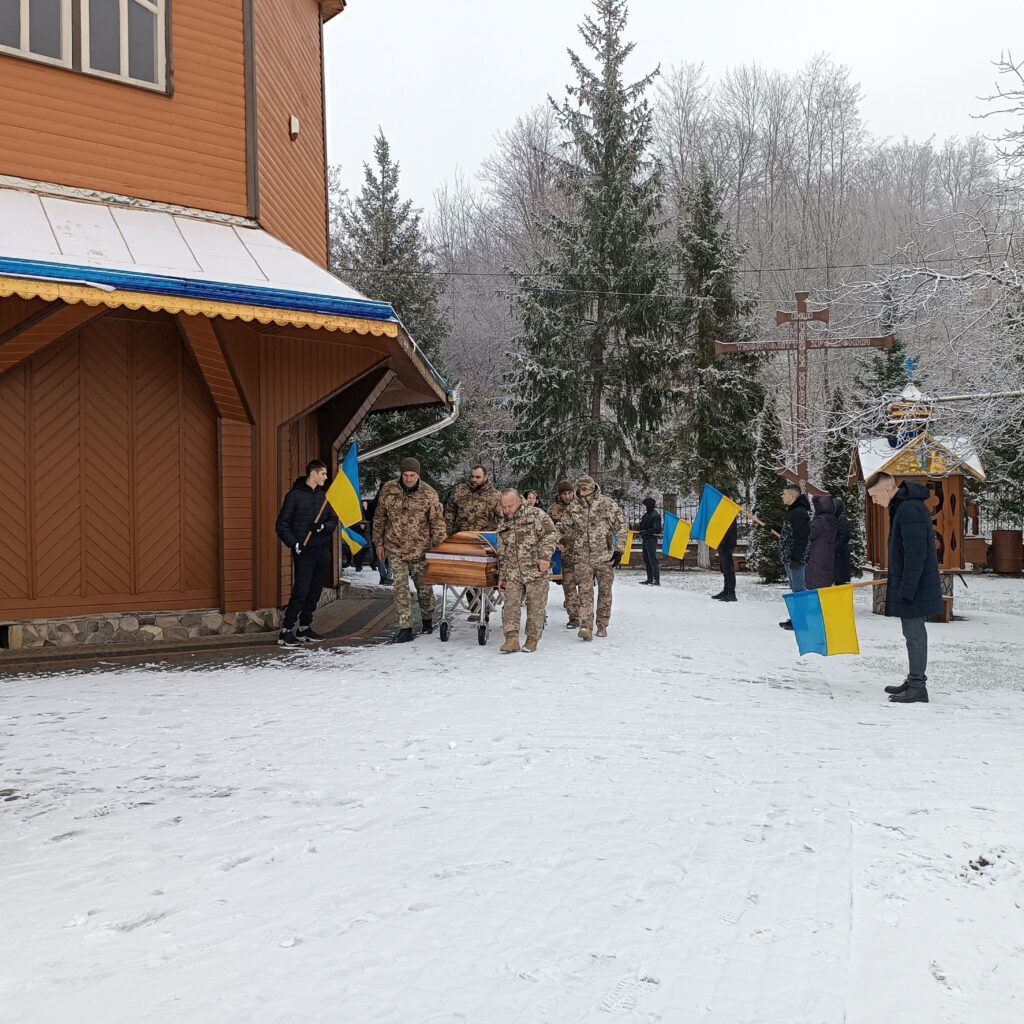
[(289, 81), (236, 483), (110, 464), (187, 148)]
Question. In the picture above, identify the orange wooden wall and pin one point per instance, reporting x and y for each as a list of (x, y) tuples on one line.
[(188, 148), (292, 175), (109, 462)]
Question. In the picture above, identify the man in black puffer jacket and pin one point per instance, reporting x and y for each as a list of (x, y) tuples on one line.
[(311, 559), (914, 587), (794, 539)]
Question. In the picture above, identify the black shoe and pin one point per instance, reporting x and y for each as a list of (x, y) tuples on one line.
[(902, 688), (308, 635), (387, 581), (428, 626), (720, 596), (288, 638), (656, 583), (572, 624), (726, 598), (404, 636), (915, 696), (788, 624), (645, 583)]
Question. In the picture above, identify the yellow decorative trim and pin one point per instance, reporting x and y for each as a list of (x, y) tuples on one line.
[(74, 293), (939, 461)]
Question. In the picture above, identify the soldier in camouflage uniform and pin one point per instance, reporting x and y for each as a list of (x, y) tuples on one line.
[(474, 505), (594, 530), (408, 522), (570, 587), (526, 542)]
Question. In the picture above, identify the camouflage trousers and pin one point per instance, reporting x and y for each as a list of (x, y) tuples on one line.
[(403, 571), (603, 574), (571, 592), (536, 594)]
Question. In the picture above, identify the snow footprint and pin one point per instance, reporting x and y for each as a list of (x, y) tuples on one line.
[(732, 912), (626, 993)]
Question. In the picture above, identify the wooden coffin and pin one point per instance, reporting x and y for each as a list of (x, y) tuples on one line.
[(465, 559)]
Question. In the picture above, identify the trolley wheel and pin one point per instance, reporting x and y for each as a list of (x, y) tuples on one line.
[(446, 631), (481, 634)]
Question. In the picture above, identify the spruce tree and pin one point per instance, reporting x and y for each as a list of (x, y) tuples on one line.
[(720, 396), (763, 552), (593, 367), (837, 461), (381, 251)]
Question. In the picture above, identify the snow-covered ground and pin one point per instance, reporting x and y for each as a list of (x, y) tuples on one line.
[(681, 823)]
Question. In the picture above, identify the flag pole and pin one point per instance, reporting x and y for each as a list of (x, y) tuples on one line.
[(760, 522), (315, 521)]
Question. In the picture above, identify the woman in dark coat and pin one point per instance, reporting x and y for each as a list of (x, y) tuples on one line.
[(821, 565), (842, 571)]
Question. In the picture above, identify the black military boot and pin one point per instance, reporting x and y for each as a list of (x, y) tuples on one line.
[(404, 636), (912, 695), (902, 688), (720, 596), (428, 626)]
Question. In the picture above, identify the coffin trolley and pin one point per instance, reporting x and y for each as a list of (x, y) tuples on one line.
[(465, 566)]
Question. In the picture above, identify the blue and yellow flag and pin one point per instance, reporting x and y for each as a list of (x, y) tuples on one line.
[(343, 494), (676, 536), (715, 514), (823, 620), (628, 549), (354, 541), (556, 565)]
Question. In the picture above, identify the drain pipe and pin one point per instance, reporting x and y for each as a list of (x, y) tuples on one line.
[(416, 435)]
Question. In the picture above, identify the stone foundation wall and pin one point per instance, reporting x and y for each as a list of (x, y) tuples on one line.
[(146, 627)]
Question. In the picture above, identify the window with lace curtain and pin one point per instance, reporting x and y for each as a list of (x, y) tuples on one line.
[(121, 39)]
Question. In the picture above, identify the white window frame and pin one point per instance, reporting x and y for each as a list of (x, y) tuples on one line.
[(159, 11), (64, 60)]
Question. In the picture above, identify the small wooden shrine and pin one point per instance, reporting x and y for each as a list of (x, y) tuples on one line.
[(909, 451)]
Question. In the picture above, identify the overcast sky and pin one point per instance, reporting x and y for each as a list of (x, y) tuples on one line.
[(442, 77)]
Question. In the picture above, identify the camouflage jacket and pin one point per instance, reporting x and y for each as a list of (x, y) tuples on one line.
[(557, 512), (470, 509), (592, 529), (408, 523), (524, 540)]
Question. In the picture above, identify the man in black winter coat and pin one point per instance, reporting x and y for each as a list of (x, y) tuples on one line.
[(726, 564), (841, 569), (309, 540), (649, 528), (914, 587), (794, 539)]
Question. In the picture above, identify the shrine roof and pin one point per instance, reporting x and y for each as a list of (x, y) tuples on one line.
[(876, 454)]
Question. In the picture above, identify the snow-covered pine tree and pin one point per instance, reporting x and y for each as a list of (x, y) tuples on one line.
[(714, 431), (594, 366), (835, 475), (883, 373), (763, 553), (379, 248)]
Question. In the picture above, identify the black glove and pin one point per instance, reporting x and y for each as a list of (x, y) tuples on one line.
[(297, 549), (616, 558)]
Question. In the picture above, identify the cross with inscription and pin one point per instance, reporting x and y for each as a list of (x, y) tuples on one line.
[(801, 345)]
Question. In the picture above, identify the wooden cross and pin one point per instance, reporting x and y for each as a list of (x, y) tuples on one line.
[(801, 345)]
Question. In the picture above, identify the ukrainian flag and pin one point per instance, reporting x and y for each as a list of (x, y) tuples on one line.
[(675, 536), (823, 620), (628, 549), (715, 514), (343, 494), (354, 541)]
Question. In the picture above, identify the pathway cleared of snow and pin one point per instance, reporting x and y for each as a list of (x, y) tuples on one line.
[(681, 823)]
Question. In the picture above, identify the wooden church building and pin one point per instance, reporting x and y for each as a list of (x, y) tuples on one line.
[(172, 347)]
